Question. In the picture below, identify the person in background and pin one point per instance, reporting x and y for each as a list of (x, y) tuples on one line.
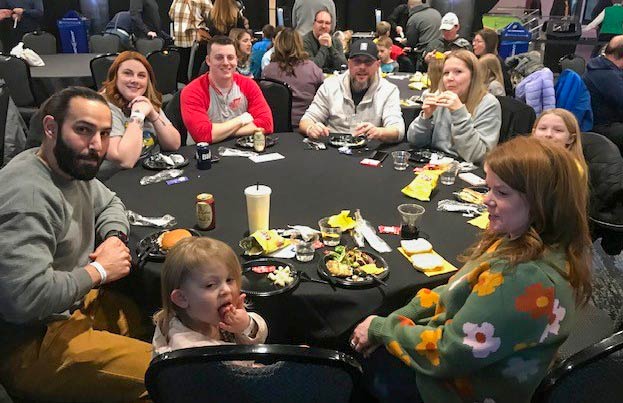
[(146, 18), (382, 31), (463, 119), (492, 71), (17, 17), (345, 38), (388, 65), (481, 7), (122, 26), (399, 16), (138, 118), (222, 103), (189, 25), (435, 73), (604, 80), (359, 102), (224, 16), (322, 49), (493, 331), (260, 47), (422, 29), (486, 41), (304, 10), (292, 66), (561, 127), (269, 53), (610, 20), (65, 336), (201, 300), (242, 43), (450, 39)]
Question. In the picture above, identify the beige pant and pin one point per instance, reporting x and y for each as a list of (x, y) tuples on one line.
[(87, 358)]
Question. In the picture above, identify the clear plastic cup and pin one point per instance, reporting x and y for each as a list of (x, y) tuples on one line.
[(448, 177), (401, 160), (331, 236)]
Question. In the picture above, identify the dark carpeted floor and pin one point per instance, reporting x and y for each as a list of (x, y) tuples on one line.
[(608, 283)]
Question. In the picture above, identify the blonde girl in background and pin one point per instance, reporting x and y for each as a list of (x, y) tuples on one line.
[(201, 300), (243, 45), (494, 79)]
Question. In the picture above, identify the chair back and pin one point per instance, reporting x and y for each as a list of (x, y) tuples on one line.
[(197, 64), (16, 74), (43, 43), (517, 118), (592, 375), (405, 65), (104, 43), (287, 374), (573, 62), (4, 110), (147, 45), (99, 68), (174, 114), (279, 98), (165, 64)]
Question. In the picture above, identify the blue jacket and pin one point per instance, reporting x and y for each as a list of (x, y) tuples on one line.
[(572, 95), (604, 81), (258, 50)]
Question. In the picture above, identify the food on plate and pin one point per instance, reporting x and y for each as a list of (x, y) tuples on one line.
[(264, 269), (281, 277), (168, 239), (352, 264), (419, 245), (427, 261)]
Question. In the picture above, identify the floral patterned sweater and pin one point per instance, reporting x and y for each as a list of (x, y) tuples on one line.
[(489, 335)]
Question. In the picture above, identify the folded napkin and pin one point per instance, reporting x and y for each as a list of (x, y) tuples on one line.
[(482, 221), (445, 268), (373, 239)]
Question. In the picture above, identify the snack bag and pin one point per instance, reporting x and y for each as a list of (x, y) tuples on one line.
[(342, 220), (263, 242), (422, 186)]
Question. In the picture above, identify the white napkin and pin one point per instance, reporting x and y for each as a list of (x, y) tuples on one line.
[(374, 240), (233, 152), (307, 233), (287, 252)]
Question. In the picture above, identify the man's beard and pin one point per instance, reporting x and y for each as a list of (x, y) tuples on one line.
[(361, 86), (69, 161)]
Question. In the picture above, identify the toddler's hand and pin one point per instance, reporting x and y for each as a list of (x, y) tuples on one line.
[(234, 317)]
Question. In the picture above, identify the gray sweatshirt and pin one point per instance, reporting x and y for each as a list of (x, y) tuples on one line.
[(459, 133), (48, 227)]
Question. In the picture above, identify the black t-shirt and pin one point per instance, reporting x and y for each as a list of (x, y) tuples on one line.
[(358, 95)]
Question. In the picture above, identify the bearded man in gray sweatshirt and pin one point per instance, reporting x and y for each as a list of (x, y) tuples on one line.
[(63, 338)]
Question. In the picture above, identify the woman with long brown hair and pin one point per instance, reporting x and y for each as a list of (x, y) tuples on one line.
[(492, 332), (290, 64), (463, 119), (492, 71), (242, 43), (137, 115), (224, 16)]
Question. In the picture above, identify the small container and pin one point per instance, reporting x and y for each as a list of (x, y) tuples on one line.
[(206, 213), (204, 156), (259, 141)]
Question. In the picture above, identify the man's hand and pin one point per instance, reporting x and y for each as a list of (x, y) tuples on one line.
[(202, 35), (246, 118), (325, 40), (114, 256), (317, 130), (399, 30), (151, 34)]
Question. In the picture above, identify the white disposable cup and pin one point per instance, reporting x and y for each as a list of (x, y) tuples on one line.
[(258, 207)]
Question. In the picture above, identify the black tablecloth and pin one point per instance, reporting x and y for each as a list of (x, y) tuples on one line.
[(306, 186), (61, 70)]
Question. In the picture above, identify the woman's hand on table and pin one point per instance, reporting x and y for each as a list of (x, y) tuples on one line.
[(143, 105), (359, 341)]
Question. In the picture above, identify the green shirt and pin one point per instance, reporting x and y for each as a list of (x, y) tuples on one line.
[(613, 20), (490, 333)]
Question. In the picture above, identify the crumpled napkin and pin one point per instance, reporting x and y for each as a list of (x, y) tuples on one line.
[(166, 221), (234, 152), (342, 220), (307, 233)]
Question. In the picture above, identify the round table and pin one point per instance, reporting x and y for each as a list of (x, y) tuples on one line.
[(306, 186), (61, 70), (408, 112)]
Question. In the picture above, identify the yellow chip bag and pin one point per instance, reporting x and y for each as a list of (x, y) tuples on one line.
[(342, 220), (263, 242), (422, 186)]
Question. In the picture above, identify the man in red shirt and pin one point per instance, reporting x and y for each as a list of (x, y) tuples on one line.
[(222, 103)]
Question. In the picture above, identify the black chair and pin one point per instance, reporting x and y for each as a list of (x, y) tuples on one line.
[(591, 326), (517, 118), (405, 65), (99, 67), (592, 375), (4, 110), (16, 74), (573, 62), (146, 45), (204, 68), (104, 43), (165, 64), (174, 114), (43, 43), (196, 63), (289, 374), (605, 166), (279, 98)]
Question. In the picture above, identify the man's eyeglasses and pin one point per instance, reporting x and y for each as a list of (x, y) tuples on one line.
[(368, 61)]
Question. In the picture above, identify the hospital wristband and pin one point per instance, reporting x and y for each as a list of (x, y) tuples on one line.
[(138, 116), (100, 269)]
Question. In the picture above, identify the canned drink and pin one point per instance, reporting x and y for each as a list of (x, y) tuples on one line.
[(204, 156), (206, 214)]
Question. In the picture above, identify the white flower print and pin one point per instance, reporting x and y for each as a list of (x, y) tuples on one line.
[(521, 369), (480, 339), (559, 314)]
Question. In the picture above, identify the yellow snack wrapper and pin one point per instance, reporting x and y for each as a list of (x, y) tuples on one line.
[(263, 242), (447, 267), (422, 186), (342, 220), (482, 221), (371, 268), (416, 85)]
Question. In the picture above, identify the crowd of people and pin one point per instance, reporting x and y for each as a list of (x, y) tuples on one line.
[(490, 333)]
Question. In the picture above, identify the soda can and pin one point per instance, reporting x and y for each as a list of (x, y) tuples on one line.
[(204, 156)]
